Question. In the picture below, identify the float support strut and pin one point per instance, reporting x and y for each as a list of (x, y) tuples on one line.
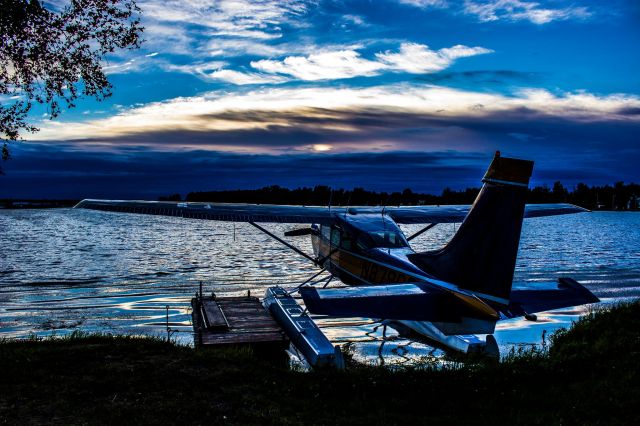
[(296, 249)]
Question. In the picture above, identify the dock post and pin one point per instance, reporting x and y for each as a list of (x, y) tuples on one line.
[(200, 290), (340, 364), (168, 329)]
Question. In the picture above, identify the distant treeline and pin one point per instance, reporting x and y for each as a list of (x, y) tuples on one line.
[(620, 196), (7, 203)]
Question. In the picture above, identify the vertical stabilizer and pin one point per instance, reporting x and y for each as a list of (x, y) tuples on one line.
[(481, 256)]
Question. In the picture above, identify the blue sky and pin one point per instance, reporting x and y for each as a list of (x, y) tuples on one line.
[(385, 94)]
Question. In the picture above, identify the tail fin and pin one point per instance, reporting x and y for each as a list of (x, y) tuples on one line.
[(481, 256)]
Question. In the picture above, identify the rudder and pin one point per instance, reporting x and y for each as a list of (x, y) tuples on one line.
[(481, 256)]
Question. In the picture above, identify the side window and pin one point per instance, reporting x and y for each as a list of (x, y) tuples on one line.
[(326, 232), (335, 237), (392, 239), (364, 242), (346, 241)]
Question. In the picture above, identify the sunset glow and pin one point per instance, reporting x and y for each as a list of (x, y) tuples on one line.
[(392, 93)]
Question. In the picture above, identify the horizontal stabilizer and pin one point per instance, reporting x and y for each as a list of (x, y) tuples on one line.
[(540, 297), (417, 302)]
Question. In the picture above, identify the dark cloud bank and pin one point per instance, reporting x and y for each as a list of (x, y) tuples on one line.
[(424, 153), (49, 172)]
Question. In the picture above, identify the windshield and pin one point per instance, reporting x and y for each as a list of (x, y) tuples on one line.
[(386, 239)]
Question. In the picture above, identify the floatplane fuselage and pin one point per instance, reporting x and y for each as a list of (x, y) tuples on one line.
[(449, 295), (369, 250), (366, 250)]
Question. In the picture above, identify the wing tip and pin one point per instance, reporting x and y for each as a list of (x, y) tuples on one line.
[(80, 204)]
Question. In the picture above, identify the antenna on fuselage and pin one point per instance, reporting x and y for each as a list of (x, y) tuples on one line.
[(348, 203), (384, 206), (384, 223)]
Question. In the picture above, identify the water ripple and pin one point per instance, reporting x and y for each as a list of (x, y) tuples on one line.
[(63, 270)]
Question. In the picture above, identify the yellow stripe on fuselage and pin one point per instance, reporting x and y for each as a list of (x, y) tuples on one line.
[(369, 271)]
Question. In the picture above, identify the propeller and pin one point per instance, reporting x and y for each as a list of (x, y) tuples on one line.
[(298, 232)]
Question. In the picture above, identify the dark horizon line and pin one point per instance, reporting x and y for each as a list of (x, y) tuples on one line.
[(620, 196), (341, 189)]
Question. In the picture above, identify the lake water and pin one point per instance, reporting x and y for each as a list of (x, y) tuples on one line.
[(63, 270)]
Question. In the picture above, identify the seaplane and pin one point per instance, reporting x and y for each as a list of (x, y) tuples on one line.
[(453, 296)]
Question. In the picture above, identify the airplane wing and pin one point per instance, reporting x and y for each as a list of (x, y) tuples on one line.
[(304, 214), (217, 211), (456, 214)]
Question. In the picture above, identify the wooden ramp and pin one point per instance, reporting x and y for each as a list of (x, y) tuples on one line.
[(237, 322)]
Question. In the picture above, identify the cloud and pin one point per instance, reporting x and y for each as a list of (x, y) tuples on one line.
[(418, 58), (165, 38), (519, 10), (284, 32), (240, 78), (199, 29), (337, 112), (411, 58), (202, 69), (130, 64), (59, 171), (321, 66), (424, 4), (259, 18), (486, 77), (356, 20), (234, 47)]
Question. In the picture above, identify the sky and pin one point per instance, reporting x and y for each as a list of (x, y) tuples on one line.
[(380, 94)]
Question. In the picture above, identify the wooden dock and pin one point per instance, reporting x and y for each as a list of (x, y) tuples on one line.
[(237, 322)]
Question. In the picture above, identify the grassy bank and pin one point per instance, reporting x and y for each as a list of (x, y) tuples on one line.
[(589, 376)]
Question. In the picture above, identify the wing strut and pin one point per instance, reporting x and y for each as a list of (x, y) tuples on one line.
[(323, 259), (297, 288), (422, 231), (296, 249)]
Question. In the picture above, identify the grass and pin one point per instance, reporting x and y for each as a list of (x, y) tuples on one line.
[(588, 376)]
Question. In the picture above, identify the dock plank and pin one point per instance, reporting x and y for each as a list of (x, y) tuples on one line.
[(213, 317), (237, 321)]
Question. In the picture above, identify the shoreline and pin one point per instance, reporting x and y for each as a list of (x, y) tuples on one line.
[(589, 375)]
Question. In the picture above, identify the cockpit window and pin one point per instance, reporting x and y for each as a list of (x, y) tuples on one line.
[(385, 239), (346, 241), (335, 237), (326, 232)]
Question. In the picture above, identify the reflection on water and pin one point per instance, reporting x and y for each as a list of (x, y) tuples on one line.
[(63, 270)]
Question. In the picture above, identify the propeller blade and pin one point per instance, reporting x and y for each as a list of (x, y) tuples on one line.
[(298, 232)]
